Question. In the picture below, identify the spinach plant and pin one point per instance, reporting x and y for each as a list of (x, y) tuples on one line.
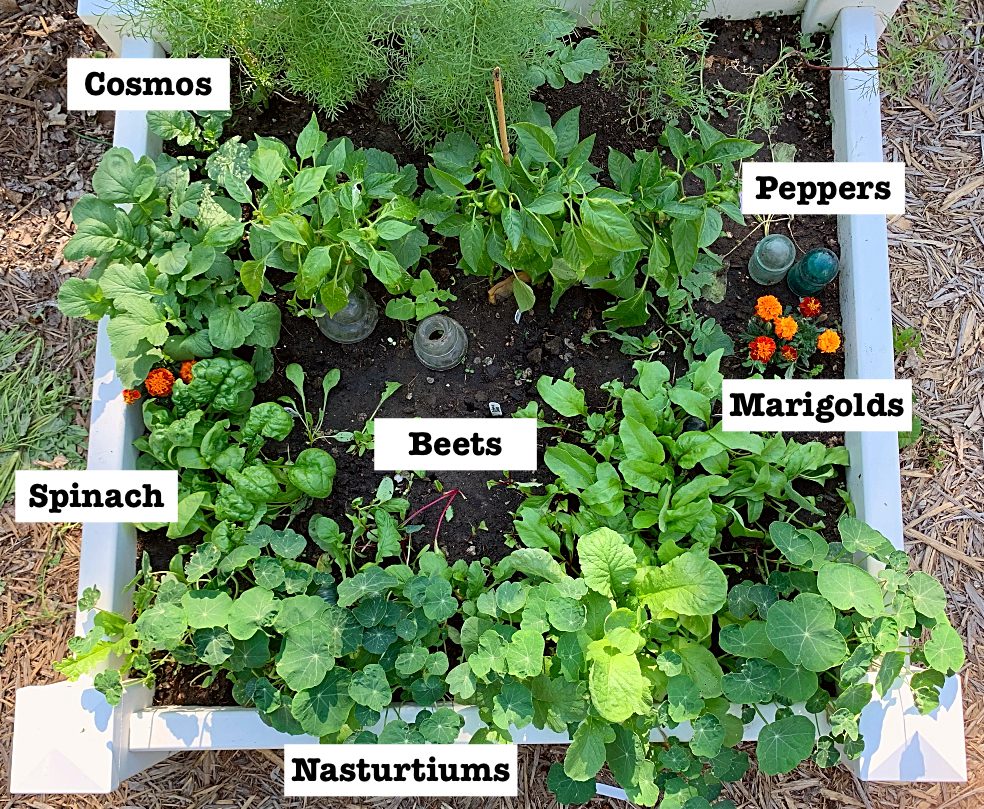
[(214, 436), (164, 270), (651, 465)]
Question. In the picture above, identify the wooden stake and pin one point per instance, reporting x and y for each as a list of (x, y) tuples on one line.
[(500, 110)]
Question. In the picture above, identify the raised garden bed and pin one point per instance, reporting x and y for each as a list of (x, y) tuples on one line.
[(504, 363)]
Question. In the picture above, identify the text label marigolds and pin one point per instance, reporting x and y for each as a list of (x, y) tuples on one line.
[(817, 405), (387, 770)]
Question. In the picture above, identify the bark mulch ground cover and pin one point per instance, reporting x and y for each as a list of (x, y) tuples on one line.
[(938, 275)]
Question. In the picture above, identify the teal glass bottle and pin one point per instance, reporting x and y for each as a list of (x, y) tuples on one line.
[(813, 272), (771, 259)]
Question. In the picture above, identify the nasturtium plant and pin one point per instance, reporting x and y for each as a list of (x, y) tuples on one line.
[(542, 644)]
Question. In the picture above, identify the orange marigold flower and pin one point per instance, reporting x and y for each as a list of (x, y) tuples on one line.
[(159, 382), (810, 307), (768, 307), (185, 372), (130, 395), (786, 327), (789, 353), (829, 341), (761, 349)]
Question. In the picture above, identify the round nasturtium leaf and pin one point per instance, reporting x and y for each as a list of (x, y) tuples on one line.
[(251, 610), (928, 595), (206, 608), (944, 650), (213, 645), (849, 587), (803, 630), (441, 727), (162, 626), (307, 656), (324, 708), (370, 687), (567, 790), (757, 681), (784, 744), (748, 640)]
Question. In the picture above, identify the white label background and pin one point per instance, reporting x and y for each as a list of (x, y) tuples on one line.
[(337, 754), (893, 173), (818, 388), (393, 445), (216, 69), (164, 481)]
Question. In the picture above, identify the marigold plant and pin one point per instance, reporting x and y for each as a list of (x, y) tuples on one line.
[(810, 307), (829, 341), (790, 339), (185, 371), (768, 307), (786, 327), (159, 382), (761, 349), (130, 395)]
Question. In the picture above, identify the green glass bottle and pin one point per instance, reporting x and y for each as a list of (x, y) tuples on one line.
[(771, 259), (813, 272)]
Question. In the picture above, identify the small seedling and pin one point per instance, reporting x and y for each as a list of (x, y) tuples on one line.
[(313, 425)]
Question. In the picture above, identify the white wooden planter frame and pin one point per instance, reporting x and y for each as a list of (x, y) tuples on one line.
[(67, 739)]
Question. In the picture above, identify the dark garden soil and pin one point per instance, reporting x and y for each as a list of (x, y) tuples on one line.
[(505, 358)]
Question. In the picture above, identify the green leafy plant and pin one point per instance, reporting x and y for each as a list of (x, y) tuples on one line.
[(313, 424), (436, 58), (201, 131), (657, 55), (442, 74), (328, 215), (672, 574), (547, 216), (425, 298), (164, 272), (652, 460), (213, 435)]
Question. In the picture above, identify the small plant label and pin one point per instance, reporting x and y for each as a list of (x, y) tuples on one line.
[(453, 445), (148, 84), (58, 495), (822, 188), (817, 405), (388, 770)]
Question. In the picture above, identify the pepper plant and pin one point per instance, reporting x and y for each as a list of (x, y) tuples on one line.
[(544, 214), (329, 214)]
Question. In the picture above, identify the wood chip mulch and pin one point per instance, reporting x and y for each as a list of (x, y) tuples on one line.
[(47, 156)]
